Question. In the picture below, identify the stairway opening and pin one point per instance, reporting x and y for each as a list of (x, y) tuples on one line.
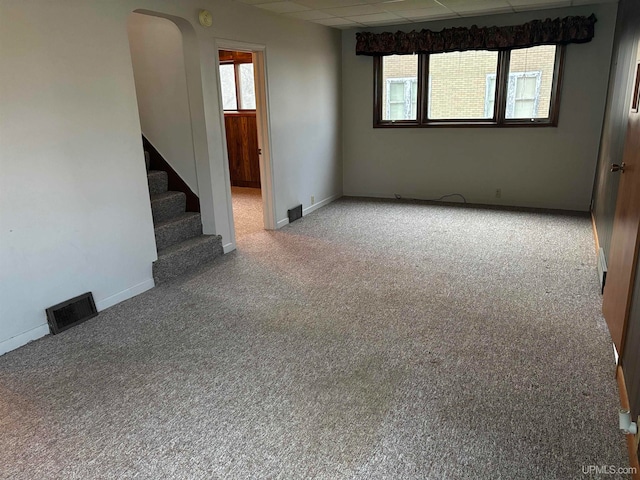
[(159, 62), (242, 114), (180, 243)]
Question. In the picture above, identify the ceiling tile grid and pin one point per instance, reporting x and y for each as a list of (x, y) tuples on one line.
[(371, 13)]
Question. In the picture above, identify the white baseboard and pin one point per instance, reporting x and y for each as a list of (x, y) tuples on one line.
[(320, 204), (229, 247), (310, 209), (24, 338), (282, 223), (368, 195), (125, 294), (42, 330)]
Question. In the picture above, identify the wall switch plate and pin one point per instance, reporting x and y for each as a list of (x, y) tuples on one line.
[(313, 199)]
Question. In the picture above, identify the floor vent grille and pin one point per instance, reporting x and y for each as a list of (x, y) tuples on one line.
[(602, 269), (71, 312), (295, 213)]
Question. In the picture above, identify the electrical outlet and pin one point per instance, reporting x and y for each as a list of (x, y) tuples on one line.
[(498, 193), (313, 199)]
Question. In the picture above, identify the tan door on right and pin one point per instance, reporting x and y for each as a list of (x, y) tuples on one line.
[(624, 241)]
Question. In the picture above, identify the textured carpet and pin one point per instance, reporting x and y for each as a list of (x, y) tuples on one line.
[(247, 211), (369, 340)]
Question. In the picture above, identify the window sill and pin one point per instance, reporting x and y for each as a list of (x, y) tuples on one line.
[(463, 124), (237, 113)]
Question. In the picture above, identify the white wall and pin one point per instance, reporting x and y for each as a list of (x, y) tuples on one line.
[(161, 90), (74, 206), (534, 167)]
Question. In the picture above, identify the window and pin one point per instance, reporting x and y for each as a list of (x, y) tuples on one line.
[(457, 84), (523, 95), (228, 86), (247, 87), (400, 95), (401, 98), (473, 88), (236, 81)]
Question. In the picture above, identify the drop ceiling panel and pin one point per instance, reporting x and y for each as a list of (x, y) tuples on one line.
[(311, 15), (283, 7), (358, 13), (524, 5), (322, 4), (365, 9), (409, 5), (377, 19), (338, 22), (422, 14)]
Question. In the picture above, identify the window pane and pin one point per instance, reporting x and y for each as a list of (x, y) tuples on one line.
[(526, 87), (247, 87), (396, 111), (414, 99), (490, 98), (399, 87), (458, 85), (530, 82), (524, 109), (228, 87), (396, 92)]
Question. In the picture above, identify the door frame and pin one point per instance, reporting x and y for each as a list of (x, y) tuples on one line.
[(263, 126)]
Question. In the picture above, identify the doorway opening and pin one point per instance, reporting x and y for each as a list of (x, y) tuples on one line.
[(241, 108)]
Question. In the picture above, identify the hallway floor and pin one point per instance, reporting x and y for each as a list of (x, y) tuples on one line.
[(247, 211)]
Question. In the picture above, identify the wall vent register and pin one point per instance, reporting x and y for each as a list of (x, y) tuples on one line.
[(71, 312)]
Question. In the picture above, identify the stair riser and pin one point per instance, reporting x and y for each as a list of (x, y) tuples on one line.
[(166, 268), (173, 233), (168, 208), (158, 182)]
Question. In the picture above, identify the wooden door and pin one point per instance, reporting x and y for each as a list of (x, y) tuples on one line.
[(624, 241), (242, 148)]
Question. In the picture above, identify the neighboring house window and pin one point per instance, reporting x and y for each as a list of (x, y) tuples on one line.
[(523, 95), (490, 95), (402, 95), (460, 88)]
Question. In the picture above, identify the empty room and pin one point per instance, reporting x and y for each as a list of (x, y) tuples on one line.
[(331, 239)]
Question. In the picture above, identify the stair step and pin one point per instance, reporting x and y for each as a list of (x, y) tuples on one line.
[(184, 256), (178, 229), (158, 181), (167, 205)]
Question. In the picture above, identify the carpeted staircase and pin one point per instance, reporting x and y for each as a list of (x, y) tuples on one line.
[(179, 239)]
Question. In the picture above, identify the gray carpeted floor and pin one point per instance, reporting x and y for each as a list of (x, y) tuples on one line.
[(369, 340)]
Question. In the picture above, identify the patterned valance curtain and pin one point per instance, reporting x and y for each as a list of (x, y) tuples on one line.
[(560, 31)]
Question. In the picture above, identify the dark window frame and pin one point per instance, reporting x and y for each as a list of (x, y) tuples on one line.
[(500, 103)]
